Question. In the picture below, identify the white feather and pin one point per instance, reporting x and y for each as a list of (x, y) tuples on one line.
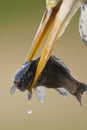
[(67, 11), (83, 22)]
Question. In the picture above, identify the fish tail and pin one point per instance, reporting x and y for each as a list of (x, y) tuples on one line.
[(80, 90)]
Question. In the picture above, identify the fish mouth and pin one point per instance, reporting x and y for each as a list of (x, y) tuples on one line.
[(13, 89), (17, 85)]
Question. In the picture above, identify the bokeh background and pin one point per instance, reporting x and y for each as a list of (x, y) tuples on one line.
[(19, 20)]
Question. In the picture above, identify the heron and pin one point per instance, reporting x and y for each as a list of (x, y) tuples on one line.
[(48, 70)]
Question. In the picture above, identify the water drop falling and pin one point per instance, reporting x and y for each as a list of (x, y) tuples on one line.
[(29, 111)]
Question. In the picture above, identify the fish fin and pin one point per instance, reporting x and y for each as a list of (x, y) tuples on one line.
[(62, 91), (80, 90), (40, 93)]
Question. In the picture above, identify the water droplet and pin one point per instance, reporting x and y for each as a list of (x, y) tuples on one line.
[(29, 111)]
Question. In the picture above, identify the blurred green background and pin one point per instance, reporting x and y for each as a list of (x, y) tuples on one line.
[(19, 20)]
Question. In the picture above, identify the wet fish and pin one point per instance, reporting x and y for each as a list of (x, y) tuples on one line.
[(55, 75)]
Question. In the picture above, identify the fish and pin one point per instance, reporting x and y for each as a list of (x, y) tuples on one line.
[(55, 75)]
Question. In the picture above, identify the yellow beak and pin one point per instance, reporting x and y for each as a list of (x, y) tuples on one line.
[(51, 25)]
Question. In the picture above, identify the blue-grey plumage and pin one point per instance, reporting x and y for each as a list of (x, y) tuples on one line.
[(83, 22)]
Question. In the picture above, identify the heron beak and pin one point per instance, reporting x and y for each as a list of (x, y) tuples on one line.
[(51, 26), (44, 28)]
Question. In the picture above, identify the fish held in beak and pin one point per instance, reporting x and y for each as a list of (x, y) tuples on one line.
[(55, 75)]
